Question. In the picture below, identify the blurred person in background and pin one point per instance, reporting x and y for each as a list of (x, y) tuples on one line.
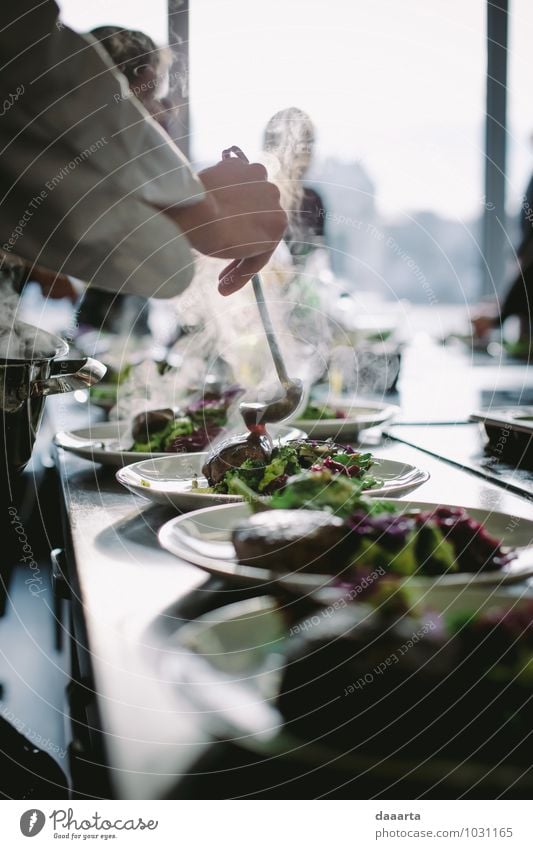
[(288, 142), (289, 138), (518, 301), (145, 66)]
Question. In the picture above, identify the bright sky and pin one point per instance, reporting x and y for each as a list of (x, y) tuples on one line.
[(396, 85)]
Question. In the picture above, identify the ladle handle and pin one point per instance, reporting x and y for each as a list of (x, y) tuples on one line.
[(269, 330)]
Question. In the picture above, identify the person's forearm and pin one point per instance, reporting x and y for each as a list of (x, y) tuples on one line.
[(213, 233), (239, 216)]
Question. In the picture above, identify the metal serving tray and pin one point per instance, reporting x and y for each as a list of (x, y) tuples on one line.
[(510, 434)]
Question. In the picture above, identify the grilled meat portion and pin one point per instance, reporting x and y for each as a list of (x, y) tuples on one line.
[(146, 424), (292, 541), (234, 452)]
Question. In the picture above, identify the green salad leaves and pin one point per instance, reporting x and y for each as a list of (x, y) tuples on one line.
[(302, 457)]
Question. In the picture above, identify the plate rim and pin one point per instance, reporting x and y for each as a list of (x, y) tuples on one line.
[(121, 459), (417, 477), (259, 576), (383, 412)]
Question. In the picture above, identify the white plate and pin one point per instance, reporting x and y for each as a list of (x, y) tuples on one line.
[(101, 444), (169, 481), (230, 662), (203, 538), (359, 416)]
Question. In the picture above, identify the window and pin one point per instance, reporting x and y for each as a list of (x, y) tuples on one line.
[(396, 93)]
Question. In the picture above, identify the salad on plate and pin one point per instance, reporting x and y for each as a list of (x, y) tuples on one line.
[(257, 475), (315, 411), (184, 431), (324, 523)]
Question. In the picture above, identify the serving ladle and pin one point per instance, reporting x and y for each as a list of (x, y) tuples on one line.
[(257, 413), (257, 444)]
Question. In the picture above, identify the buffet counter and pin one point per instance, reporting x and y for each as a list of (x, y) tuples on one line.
[(127, 593)]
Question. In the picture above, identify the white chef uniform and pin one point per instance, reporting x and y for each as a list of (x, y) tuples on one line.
[(82, 165)]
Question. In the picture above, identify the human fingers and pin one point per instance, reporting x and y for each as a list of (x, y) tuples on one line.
[(240, 271)]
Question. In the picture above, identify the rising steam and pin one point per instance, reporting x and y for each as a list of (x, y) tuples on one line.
[(16, 341)]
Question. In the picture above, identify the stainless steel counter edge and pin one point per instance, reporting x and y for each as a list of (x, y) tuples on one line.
[(123, 580)]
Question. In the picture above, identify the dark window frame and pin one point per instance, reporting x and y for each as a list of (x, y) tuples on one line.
[(178, 39), (494, 226)]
